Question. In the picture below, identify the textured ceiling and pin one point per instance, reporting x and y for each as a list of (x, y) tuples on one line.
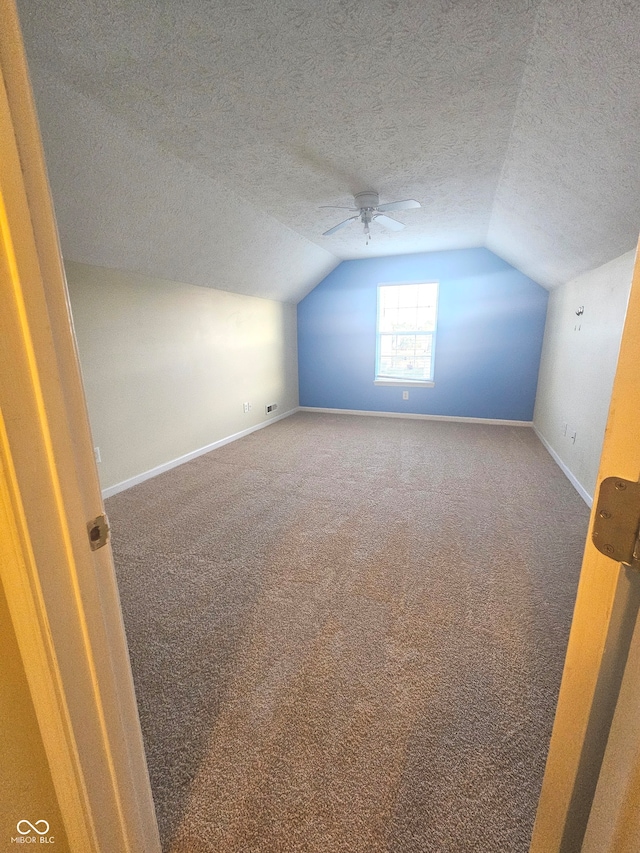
[(196, 140)]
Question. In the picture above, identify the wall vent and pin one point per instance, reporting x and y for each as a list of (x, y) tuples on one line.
[(270, 408)]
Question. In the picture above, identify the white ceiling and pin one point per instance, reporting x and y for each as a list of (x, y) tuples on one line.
[(196, 140)]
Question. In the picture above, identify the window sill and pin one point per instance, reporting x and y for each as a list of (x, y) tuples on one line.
[(407, 383)]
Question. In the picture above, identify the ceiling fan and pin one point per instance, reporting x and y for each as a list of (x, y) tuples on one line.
[(368, 209)]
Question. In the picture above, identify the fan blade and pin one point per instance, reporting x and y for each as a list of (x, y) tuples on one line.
[(407, 204), (388, 222), (339, 226), (336, 207)]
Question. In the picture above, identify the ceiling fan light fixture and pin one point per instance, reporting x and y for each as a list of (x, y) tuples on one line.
[(369, 208)]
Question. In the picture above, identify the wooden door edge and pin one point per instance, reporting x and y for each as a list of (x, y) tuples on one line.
[(19, 577)]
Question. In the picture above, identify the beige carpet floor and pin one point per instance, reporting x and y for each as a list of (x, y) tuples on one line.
[(347, 635)]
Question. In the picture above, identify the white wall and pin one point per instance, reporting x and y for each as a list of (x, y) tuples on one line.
[(579, 357), (167, 366)]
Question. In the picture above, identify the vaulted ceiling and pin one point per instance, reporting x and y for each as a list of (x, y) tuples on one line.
[(197, 140)]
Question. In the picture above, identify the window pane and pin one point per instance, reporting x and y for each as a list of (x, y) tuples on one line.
[(426, 319), (389, 297), (407, 295), (406, 325), (423, 345), (405, 356), (406, 319), (386, 345), (404, 367), (388, 319)]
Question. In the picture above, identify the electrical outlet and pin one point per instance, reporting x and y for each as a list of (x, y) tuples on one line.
[(246, 407), (270, 408), (405, 395), (96, 453)]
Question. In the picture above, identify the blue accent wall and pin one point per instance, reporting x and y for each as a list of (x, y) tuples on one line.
[(489, 337)]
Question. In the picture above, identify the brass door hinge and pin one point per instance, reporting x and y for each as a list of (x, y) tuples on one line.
[(98, 530), (617, 521)]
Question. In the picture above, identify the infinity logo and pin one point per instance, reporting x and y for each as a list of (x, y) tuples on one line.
[(32, 827)]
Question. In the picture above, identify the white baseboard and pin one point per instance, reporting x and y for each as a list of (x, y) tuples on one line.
[(167, 466), (584, 494), (411, 415)]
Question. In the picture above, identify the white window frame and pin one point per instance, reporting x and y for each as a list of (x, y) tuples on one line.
[(380, 379)]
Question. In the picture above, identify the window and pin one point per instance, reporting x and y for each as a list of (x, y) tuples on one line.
[(406, 332)]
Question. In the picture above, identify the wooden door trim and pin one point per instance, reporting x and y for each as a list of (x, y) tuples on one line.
[(19, 577)]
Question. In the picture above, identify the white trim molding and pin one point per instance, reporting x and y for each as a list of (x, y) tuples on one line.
[(416, 416), (580, 489), (173, 463)]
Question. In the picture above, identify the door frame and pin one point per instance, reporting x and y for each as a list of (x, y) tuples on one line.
[(601, 638), (62, 595), (614, 820)]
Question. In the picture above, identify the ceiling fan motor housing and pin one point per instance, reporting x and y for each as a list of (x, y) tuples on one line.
[(367, 199), (368, 208)]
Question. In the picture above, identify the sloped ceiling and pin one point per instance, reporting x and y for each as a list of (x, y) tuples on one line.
[(196, 140)]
